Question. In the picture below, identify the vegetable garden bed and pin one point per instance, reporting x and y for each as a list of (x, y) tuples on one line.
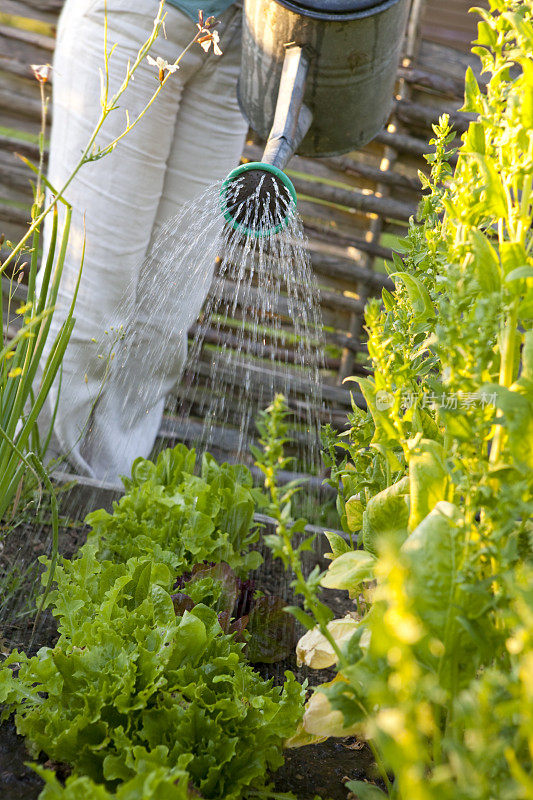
[(145, 694), (321, 768)]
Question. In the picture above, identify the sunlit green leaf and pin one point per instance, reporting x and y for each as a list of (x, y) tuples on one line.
[(354, 513), (338, 545), (428, 479), (387, 514), (349, 570), (365, 791), (418, 295), (486, 263), (472, 102)]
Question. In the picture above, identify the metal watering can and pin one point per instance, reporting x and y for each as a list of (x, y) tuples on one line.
[(317, 78)]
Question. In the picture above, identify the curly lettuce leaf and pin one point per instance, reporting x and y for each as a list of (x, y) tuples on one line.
[(180, 518)]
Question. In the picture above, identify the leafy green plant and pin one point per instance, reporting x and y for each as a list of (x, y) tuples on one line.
[(270, 459), (133, 689), (205, 521), (20, 405), (151, 781), (147, 691), (181, 518), (435, 479)]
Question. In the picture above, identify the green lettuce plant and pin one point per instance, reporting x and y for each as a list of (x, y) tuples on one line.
[(130, 682), (131, 688), (181, 518), (151, 781), (148, 692)]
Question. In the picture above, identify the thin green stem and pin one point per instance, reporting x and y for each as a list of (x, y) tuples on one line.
[(273, 437), (294, 562), (507, 360), (5, 490), (38, 199), (380, 765), (111, 146)]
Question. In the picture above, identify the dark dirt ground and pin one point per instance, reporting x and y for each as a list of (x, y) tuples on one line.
[(320, 769), (316, 769)]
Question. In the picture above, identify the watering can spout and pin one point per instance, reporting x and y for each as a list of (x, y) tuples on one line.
[(264, 183), (292, 118)]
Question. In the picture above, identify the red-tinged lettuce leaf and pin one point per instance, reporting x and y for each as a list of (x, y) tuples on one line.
[(245, 600), (224, 620), (238, 627), (272, 631), (181, 602)]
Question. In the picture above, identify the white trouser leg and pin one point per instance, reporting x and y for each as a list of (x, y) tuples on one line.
[(192, 135)]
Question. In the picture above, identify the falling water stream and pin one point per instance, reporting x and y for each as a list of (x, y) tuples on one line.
[(250, 304)]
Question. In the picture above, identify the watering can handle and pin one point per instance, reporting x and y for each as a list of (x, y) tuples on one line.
[(292, 118)]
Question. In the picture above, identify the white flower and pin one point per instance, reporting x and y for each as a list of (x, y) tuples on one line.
[(162, 65), (206, 33), (205, 42), (41, 72)]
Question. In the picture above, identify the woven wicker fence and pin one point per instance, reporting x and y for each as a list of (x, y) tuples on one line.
[(353, 206)]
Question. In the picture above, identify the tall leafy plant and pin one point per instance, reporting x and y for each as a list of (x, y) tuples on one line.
[(436, 478), (20, 356)]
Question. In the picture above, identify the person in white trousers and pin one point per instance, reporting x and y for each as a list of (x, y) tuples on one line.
[(192, 136)]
